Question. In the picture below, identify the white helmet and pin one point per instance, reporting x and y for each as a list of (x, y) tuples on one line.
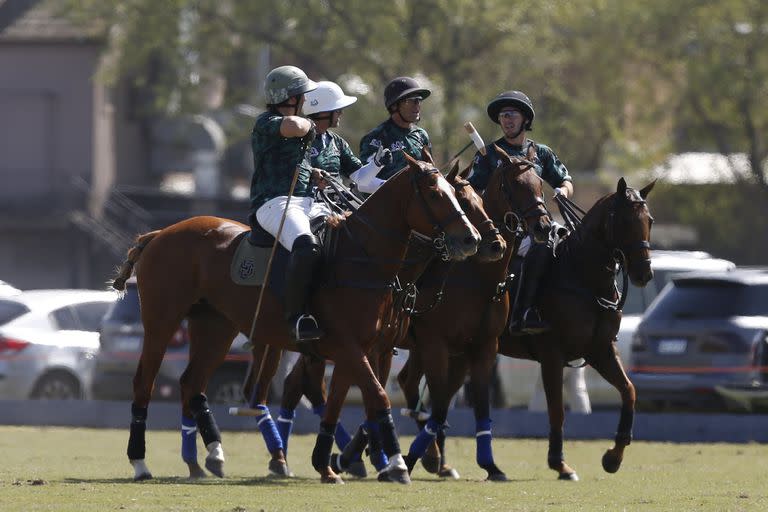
[(326, 98)]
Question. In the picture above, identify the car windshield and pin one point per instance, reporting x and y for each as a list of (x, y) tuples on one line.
[(707, 299), (10, 309)]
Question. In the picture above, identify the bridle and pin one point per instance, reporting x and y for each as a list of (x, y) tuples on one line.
[(487, 229), (520, 216)]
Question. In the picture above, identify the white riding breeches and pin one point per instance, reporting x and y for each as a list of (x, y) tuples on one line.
[(525, 245), (300, 212)]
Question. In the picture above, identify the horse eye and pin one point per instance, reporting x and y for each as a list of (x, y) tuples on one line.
[(434, 195)]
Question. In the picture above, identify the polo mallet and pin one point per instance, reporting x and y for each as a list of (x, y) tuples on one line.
[(248, 411), (476, 140)]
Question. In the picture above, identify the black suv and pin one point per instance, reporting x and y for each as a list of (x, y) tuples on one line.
[(703, 341), (121, 335)]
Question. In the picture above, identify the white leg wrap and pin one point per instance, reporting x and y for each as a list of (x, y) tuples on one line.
[(396, 462), (215, 452), (140, 469)]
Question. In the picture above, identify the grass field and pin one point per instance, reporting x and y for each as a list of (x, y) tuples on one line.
[(65, 469)]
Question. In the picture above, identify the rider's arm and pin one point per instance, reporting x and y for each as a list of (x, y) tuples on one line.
[(294, 126), (366, 179)]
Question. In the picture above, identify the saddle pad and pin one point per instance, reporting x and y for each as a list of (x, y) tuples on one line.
[(249, 264)]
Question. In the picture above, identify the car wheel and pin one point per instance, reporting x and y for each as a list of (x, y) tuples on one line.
[(225, 389), (57, 386)]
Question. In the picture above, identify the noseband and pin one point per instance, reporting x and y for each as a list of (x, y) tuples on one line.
[(488, 230), (536, 210)]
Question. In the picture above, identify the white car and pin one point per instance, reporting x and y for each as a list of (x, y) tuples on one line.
[(48, 339), (517, 377)]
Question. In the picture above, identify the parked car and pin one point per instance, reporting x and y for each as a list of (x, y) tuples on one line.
[(517, 377), (48, 339), (7, 290), (120, 337), (704, 332)]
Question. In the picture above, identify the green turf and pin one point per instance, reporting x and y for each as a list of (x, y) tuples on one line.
[(63, 469)]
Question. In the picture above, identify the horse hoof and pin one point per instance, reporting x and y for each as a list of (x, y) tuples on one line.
[(215, 466), (396, 475), (497, 477), (357, 469), (448, 472), (611, 463), (431, 464), (331, 479), (142, 477), (195, 471), (572, 477), (279, 469)]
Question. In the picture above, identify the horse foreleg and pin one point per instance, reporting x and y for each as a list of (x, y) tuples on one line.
[(608, 364), (552, 379), (480, 372), (321, 454)]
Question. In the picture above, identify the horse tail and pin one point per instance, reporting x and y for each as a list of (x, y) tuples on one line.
[(126, 269)]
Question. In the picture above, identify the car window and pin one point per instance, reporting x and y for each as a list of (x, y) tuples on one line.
[(64, 319), (696, 299), (10, 309), (126, 309), (89, 315)]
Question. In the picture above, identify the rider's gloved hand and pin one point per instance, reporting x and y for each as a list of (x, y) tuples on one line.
[(383, 157)]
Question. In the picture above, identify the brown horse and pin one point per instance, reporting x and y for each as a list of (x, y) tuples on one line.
[(306, 377), (477, 305), (580, 301), (183, 270)]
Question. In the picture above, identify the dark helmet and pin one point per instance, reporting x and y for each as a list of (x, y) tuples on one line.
[(512, 99), (402, 87)]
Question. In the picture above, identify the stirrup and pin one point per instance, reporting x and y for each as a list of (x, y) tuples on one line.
[(304, 329), (532, 323)]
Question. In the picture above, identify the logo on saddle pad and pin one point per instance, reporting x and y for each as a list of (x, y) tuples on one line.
[(247, 267)]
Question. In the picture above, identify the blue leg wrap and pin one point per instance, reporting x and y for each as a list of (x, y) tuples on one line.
[(188, 440), (425, 436), (269, 430), (483, 437), (285, 425), (378, 459), (342, 436)]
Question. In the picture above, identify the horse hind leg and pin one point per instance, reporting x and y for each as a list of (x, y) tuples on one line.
[(210, 336), (157, 335)]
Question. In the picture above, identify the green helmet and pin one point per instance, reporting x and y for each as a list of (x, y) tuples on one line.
[(284, 82)]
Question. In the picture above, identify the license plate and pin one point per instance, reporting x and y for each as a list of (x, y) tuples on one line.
[(673, 346)]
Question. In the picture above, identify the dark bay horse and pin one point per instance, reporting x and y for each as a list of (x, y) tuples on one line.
[(183, 271), (579, 301), (306, 377), (460, 335)]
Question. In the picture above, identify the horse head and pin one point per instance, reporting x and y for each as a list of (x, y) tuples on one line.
[(435, 211), (515, 192), (492, 245), (626, 226)]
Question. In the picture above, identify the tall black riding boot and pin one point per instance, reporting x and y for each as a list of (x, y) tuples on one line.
[(305, 257), (525, 316)]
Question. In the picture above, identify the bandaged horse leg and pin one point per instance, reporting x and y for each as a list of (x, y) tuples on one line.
[(209, 431), (137, 443), (350, 458), (189, 447), (321, 454), (424, 438), (480, 370), (552, 379)]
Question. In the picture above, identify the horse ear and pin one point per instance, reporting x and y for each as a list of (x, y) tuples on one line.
[(454, 170), (411, 161), (647, 189), (502, 153), (621, 188), (467, 171), (426, 156)]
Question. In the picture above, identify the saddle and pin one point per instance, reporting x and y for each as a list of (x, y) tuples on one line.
[(249, 263)]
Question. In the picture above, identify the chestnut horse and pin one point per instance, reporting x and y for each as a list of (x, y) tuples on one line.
[(306, 377), (581, 303), (183, 270), (477, 304)]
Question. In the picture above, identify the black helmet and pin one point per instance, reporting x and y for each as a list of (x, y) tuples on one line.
[(402, 87), (512, 99)]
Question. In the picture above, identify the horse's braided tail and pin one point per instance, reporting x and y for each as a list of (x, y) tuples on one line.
[(126, 269)]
